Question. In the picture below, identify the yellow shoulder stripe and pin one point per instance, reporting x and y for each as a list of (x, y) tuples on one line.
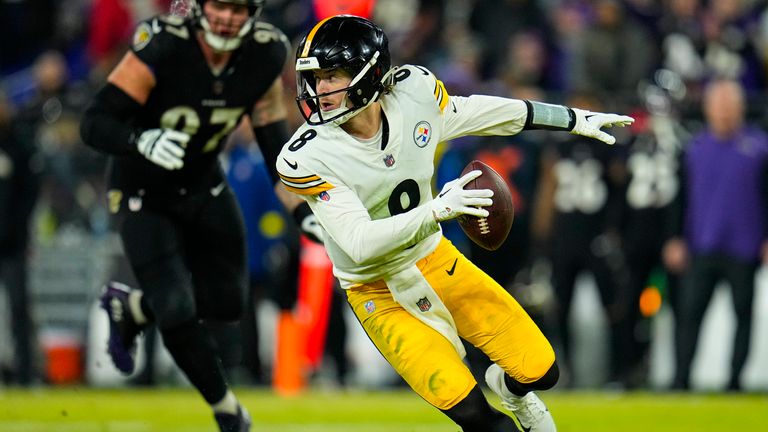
[(441, 95), (307, 185)]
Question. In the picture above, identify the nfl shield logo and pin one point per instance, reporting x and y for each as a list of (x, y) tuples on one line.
[(370, 306), (424, 304), (389, 160)]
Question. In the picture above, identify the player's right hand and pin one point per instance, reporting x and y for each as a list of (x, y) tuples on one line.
[(589, 124), (454, 200), (164, 147)]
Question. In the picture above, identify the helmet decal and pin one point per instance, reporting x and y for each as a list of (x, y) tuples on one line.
[(311, 35)]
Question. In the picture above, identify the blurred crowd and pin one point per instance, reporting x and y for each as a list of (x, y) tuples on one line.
[(615, 212)]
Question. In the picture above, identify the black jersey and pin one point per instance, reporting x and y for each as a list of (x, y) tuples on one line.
[(585, 192), (652, 186), (190, 97)]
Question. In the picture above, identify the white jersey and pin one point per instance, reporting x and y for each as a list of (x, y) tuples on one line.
[(369, 195)]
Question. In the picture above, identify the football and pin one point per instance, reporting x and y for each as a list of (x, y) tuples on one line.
[(489, 232)]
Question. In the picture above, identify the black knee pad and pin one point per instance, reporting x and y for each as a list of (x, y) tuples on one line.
[(475, 414), (547, 381)]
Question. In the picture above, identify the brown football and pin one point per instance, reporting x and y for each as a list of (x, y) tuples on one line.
[(490, 232)]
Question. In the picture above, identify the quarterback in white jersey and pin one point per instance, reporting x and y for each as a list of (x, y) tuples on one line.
[(364, 163)]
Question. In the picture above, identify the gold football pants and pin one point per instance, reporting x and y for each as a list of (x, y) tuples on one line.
[(485, 315)]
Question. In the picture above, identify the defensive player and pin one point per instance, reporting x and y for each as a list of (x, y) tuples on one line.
[(364, 163), (163, 116)]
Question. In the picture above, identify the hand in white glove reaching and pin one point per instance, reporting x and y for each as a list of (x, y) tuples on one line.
[(589, 123), (164, 147), (454, 200)]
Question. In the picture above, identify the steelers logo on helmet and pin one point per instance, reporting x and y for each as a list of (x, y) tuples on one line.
[(221, 42), (353, 44)]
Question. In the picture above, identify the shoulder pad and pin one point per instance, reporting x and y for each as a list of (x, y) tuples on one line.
[(154, 35), (418, 78), (294, 165), (264, 33)]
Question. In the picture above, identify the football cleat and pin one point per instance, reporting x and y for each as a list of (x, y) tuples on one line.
[(123, 329), (530, 411), (240, 422)]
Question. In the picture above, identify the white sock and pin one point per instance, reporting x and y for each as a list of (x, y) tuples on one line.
[(228, 404), (134, 302)]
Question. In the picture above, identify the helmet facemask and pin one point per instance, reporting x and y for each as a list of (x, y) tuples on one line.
[(221, 43)]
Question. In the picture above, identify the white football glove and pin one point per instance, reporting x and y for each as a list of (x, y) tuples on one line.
[(454, 200), (589, 123), (312, 228), (165, 147)]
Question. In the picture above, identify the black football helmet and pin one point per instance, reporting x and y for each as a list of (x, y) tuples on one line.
[(218, 42), (353, 44)]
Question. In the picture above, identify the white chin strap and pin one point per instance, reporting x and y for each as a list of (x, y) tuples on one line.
[(220, 43)]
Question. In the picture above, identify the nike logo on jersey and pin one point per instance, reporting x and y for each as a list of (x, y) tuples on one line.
[(587, 117), (453, 268), (294, 165), (215, 191), (454, 106), (440, 195)]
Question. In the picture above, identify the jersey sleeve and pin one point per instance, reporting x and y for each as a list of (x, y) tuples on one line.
[(483, 115), (349, 225), (473, 115), (338, 209), (296, 178)]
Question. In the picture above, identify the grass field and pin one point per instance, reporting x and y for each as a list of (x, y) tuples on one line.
[(91, 410)]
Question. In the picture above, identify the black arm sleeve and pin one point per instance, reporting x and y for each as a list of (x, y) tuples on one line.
[(106, 124), (271, 138)]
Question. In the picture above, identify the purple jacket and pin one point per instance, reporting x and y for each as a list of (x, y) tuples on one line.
[(726, 206)]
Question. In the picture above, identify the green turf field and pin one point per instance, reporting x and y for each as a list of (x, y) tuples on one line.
[(89, 410)]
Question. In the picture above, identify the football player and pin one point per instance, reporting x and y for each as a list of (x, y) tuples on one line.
[(163, 116), (364, 163)]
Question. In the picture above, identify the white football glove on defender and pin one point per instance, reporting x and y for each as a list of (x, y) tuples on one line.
[(312, 228), (589, 123), (164, 147), (454, 200)]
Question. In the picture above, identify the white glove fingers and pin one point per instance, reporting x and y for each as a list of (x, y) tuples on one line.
[(478, 193), (476, 211), (482, 202), (173, 149), (468, 177), (604, 137), (168, 161), (617, 120), (178, 136)]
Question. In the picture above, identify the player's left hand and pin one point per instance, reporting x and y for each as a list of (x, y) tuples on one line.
[(589, 124)]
